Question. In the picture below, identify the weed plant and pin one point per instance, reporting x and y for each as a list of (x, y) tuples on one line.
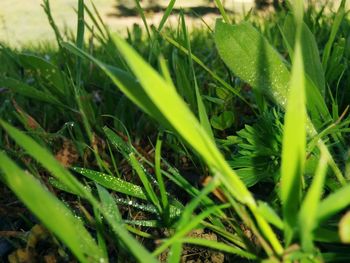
[(233, 139)]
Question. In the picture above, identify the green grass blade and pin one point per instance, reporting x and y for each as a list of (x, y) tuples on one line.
[(335, 28), (126, 83), (195, 221), (334, 203), (166, 14), (112, 183), (145, 180), (202, 112), (311, 55), (112, 216), (160, 180), (222, 11), (80, 40), (48, 161), (225, 85), (310, 205), (294, 145), (143, 17), (28, 91), (46, 70), (219, 246), (53, 213)]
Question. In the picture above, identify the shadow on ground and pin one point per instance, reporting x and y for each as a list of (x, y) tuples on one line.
[(124, 11)]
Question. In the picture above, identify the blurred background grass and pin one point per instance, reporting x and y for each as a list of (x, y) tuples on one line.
[(24, 22)]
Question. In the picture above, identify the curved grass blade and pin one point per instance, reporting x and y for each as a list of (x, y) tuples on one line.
[(334, 203), (43, 156), (112, 183), (53, 213), (310, 205)]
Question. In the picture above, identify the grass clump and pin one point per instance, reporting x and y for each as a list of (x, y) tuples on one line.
[(237, 148)]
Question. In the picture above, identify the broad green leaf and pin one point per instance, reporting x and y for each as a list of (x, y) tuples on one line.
[(344, 228), (309, 207), (294, 146), (112, 183), (249, 55), (223, 121), (311, 56), (52, 212)]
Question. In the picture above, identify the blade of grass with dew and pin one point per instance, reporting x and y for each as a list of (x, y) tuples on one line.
[(335, 28), (160, 179), (53, 213), (44, 157), (309, 207), (294, 140), (111, 213), (112, 183), (145, 181), (202, 112)]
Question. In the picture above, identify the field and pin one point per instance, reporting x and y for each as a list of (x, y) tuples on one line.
[(168, 142)]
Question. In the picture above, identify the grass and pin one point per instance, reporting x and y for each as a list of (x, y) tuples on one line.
[(237, 145)]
